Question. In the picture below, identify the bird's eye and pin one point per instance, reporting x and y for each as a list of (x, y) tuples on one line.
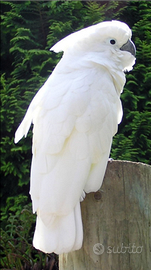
[(112, 41)]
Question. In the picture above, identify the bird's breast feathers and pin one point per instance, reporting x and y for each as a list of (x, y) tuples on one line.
[(84, 103)]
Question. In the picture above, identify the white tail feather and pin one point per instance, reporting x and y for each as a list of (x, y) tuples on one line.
[(61, 236)]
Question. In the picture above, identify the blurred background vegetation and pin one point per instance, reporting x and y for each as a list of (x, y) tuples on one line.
[(28, 30)]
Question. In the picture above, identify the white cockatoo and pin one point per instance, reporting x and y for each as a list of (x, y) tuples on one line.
[(75, 114)]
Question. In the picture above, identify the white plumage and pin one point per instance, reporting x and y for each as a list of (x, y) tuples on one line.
[(75, 115)]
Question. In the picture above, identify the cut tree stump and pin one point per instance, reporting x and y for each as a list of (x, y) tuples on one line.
[(116, 222)]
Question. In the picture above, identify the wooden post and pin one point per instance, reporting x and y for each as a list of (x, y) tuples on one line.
[(116, 221)]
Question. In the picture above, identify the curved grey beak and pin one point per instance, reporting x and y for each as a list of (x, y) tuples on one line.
[(129, 46)]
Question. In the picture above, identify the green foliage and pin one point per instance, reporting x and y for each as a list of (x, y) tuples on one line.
[(15, 161), (13, 207), (29, 29), (133, 141), (129, 146), (16, 248)]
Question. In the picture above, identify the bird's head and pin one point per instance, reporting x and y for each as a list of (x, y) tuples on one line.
[(109, 39)]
